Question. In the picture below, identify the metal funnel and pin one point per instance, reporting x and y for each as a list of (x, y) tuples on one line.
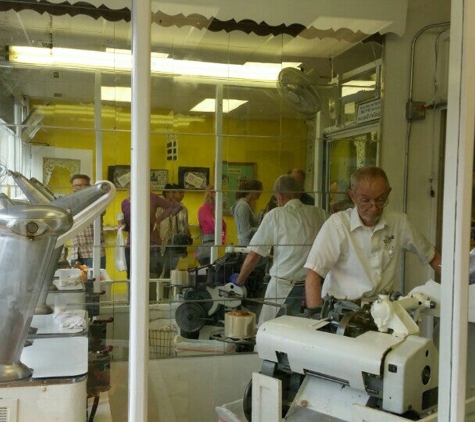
[(75, 203), (34, 193), (42, 308), (31, 239), (28, 235)]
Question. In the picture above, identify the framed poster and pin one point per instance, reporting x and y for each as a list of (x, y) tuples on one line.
[(232, 174), (158, 179), (45, 159), (119, 176), (193, 177)]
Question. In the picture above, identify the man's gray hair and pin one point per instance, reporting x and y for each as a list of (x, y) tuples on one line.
[(368, 172), (287, 185)]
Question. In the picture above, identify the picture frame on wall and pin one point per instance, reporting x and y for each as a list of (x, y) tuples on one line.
[(193, 178), (158, 179), (119, 175)]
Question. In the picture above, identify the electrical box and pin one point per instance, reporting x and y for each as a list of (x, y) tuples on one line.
[(415, 110)]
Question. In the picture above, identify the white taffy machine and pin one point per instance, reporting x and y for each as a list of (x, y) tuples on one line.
[(355, 363), (42, 377)]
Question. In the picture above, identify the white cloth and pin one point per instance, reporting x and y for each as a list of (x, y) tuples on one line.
[(358, 261), (69, 319), (291, 230), (72, 280), (119, 252)]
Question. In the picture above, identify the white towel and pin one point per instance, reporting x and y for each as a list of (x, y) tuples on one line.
[(72, 280), (69, 319)]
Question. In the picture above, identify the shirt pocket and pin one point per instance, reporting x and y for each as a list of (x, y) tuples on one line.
[(389, 254)]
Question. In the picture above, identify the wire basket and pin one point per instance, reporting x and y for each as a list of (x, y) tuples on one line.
[(161, 341)]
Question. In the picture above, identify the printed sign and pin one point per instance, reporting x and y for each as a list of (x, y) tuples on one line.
[(368, 111)]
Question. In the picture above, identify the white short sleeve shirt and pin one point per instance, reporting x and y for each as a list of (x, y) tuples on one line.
[(291, 230), (358, 261)]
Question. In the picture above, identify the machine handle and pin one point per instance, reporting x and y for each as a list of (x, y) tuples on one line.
[(105, 351), (103, 321)]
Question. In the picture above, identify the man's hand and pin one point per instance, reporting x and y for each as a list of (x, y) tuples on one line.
[(233, 279), (314, 312), (248, 265)]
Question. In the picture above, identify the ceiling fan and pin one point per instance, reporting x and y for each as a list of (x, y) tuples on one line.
[(299, 89)]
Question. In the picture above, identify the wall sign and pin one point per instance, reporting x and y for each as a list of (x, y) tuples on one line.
[(193, 177), (119, 176), (158, 179), (369, 111)]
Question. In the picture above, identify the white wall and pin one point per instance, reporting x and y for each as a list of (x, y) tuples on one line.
[(186, 389), (423, 141)]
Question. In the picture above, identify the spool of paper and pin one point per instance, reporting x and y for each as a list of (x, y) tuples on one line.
[(179, 278), (239, 324)]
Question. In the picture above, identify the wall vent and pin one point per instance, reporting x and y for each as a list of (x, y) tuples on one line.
[(8, 410)]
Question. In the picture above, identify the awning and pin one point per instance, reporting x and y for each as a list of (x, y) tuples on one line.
[(347, 20)]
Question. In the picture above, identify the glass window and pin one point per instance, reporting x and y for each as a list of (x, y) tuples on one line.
[(346, 153), (77, 119)]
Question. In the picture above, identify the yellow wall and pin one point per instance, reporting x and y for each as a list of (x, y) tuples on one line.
[(275, 148)]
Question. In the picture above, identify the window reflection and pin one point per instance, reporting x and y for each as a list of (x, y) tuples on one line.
[(265, 133)]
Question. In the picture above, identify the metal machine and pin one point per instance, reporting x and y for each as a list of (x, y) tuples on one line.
[(31, 234), (206, 306), (352, 355), (210, 294)]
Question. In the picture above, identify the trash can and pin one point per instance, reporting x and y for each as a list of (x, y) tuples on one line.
[(161, 335)]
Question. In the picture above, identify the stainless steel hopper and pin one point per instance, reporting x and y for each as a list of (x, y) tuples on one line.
[(30, 237)]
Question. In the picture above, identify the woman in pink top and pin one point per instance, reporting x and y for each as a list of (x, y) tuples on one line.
[(206, 221)]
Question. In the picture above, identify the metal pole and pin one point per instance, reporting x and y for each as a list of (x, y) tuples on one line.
[(140, 206), (96, 253), (457, 213), (218, 185)]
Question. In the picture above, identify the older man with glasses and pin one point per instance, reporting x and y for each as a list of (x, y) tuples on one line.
[(358, 250)]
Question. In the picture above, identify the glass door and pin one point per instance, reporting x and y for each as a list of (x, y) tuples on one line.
[(345, 152)]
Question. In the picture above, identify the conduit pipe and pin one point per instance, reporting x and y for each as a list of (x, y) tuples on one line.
[(411, 89), (402, 284)]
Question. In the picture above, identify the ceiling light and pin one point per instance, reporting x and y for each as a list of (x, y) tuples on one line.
[(124, 94), (128, 52), (116, 93), (354, 86), (275, 65), (67, 57), (85, 113), (209, 105), (121, 61)]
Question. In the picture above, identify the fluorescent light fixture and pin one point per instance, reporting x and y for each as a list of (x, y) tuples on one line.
[(116, 93), (128, 52), (121, 61), (209, 105), (352, 87), (85, 113), (274, 65), (124, 94)]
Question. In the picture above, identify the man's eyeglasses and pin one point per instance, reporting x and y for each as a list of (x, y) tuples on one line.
[(366, 203)]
